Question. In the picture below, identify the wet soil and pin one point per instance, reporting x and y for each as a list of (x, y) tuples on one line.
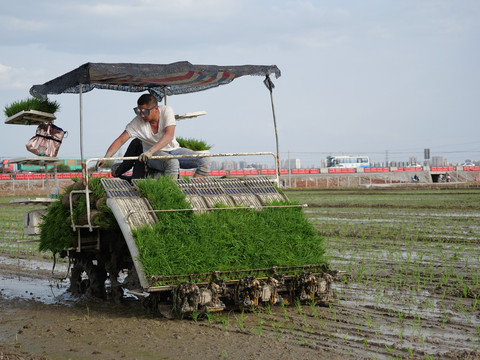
[(410, 291), (40, 320)]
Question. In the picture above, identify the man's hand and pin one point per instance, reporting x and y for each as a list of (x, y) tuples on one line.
[(100, 164), (144, 157)]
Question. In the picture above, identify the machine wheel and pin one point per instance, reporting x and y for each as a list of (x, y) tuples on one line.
[(88, 278)]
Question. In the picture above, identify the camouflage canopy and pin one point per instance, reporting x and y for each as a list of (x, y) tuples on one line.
[(160, 80)]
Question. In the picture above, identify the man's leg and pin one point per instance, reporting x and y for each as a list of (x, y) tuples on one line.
[(134, 149), (168, 167), (201, 164)]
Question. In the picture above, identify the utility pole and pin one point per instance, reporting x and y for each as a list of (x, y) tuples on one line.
[(386, 158)]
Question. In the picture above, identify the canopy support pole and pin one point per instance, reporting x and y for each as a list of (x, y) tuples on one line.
[(269, 84), (84, 172), (165, 95)]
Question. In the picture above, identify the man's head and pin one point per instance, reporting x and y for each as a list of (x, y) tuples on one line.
[(146, 103), (147, 99)]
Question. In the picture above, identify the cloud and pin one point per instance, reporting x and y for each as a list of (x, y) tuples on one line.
[(11, 78), (19, 24), (154, 13)]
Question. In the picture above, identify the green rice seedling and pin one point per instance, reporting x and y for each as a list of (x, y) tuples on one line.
[(241, 321), (195, 315), (313, 307), (268, 309), (444, 319), (224, 321), (258, 330), (87, 314), (285, 312), (260, 320), (56, 234), (474, 305), (444, 293), (400, 316), (429, 305), (422, 339), (210, 317), (323, 322), (277, 328), (298, 306), (193, 144), (31, 104), (475, 279), (185, 242), (369, 320)]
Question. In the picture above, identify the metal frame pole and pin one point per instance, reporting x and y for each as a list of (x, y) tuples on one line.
[(84, 170), (269, 84)]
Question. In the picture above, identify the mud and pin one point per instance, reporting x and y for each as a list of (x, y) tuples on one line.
[(40, 320), (410, 291)]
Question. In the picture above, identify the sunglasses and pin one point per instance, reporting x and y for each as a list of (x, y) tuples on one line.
[(144, 112)]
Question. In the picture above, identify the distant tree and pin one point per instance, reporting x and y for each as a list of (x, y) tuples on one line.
[(61, 168)]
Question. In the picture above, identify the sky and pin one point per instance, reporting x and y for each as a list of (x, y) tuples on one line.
[(386, 79)]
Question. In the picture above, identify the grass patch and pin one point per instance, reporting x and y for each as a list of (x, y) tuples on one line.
[(56, 232), (184, 242), (56, 235), (193, 144), (31, 104)]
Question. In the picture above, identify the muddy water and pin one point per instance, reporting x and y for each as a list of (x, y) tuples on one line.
[(32, 279)]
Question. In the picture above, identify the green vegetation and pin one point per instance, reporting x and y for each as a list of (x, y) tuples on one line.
[(389, 197), (193, 144), (13, 240), (184, 242), (56, 234), (31, 104), (61, 168)]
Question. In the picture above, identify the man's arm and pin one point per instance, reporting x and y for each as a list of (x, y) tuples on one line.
[(113, 148), (164, 140)]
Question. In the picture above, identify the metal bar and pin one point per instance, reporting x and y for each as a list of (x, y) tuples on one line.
[(166, 157), (321, 268), (190, 156), (131, 212), (276, 138), (269, 84), (81, 131), (84, 165), (47, 184), (74, 227)]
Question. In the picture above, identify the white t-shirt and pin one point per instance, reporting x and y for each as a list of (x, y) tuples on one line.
[(138, 128)]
